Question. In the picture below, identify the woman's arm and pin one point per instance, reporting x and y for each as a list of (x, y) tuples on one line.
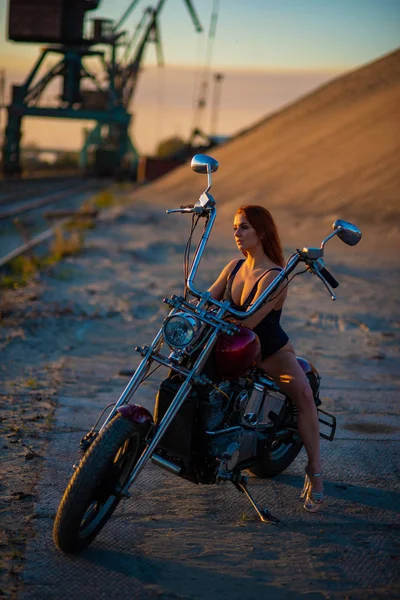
[(218, 287), (255, 319)]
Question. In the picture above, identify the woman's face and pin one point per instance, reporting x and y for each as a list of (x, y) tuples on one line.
[(246, 236)]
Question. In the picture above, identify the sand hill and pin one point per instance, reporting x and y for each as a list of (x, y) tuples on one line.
[(335, 152)]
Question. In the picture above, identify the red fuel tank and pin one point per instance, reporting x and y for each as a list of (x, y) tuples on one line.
[(234, 354)]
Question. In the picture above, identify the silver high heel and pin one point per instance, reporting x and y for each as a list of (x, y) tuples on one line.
[(312, 500)]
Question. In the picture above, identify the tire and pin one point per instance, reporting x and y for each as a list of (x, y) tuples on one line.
[(93, 492), (282, 452), (277, 457)]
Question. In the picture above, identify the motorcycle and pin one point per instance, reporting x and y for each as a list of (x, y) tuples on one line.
[(216, 413)]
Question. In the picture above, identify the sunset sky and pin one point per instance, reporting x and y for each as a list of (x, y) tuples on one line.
[(270, 52)]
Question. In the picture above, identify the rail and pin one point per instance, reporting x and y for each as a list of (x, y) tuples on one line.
[(63, 218)]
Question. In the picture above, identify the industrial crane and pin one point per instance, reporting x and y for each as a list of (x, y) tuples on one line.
[(61, 23)]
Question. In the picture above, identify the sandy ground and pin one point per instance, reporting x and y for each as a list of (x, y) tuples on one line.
[(64, 340), (333, 153)]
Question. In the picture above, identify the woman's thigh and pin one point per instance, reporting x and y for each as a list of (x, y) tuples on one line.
[(287, 373)]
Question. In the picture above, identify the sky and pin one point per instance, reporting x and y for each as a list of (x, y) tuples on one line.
[(269, 51)]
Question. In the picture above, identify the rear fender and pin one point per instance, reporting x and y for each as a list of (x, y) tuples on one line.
[(312, 375), (306, 366), (326, 419)]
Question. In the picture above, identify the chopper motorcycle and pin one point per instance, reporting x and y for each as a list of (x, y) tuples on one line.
[(216, 414)]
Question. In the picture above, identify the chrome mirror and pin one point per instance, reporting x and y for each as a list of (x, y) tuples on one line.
[(348, 233), (201, 163)]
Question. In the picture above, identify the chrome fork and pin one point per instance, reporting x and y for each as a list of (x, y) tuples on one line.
[(137, 378), (171, 412)]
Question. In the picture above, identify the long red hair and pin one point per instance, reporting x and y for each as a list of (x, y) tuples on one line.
[(261, 220)]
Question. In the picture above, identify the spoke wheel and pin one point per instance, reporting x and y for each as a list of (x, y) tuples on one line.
[(95, 488)]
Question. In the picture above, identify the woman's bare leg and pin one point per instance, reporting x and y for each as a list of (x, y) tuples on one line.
[(285, 370)]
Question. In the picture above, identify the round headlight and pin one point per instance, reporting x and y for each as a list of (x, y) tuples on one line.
[(180, 330)]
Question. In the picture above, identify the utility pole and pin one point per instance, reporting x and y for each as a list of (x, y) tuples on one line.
[(204, 86), (218, 79)]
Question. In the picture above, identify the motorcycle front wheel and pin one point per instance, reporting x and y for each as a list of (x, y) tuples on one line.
[(94, 490)]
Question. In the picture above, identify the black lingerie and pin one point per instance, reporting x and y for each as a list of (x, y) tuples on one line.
[(272, 336)]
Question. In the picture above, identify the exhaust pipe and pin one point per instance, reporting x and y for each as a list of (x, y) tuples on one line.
[(165, 464)]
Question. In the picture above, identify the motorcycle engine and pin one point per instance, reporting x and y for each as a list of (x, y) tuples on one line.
[(222, 409), (220, 406)]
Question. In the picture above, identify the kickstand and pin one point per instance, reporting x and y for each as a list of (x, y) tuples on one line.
[(264, 514)]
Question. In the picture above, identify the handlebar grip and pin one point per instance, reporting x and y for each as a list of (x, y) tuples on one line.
[(186, 206), (329, 278)]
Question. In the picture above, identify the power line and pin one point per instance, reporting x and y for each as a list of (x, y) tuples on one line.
[(204, 85)]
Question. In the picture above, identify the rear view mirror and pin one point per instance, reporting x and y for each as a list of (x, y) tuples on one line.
[(201, 163), (348, 233)]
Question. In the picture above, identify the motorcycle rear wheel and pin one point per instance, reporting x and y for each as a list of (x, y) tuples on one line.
[(94, 490), (277, 457)]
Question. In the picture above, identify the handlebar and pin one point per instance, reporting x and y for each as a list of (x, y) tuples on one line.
[(205, 207), (329, 278), (183, 209)]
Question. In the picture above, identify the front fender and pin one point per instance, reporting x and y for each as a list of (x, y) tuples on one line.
[(136, 414)]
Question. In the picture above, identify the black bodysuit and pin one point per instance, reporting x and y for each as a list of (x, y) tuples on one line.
[(272, 336)]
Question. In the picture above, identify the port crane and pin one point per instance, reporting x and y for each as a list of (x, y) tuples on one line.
[(60, 23)]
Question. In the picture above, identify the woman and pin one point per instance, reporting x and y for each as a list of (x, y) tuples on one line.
[(242, 282)]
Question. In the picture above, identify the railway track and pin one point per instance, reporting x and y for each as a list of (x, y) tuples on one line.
[(24, 215), (17, 206), (25, 188)]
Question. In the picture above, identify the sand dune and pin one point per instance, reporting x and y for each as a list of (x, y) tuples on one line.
[(335, 152)]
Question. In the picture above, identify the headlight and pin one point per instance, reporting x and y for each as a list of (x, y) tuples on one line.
[(180, 330)]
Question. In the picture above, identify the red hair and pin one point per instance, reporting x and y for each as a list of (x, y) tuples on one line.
[(261, 220)]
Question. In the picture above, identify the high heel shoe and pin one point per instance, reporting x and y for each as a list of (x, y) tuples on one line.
[(312, 500)]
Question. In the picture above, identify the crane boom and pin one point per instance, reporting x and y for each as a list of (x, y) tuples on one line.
[(131, 70), (125, 15), (194, 16)]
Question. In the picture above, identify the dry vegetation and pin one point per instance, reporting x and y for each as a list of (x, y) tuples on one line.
[(68, 240)]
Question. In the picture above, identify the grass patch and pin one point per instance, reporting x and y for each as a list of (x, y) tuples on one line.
[(32, 383), (104, 199), (19, 271), (80, 224), (22, 269), (66, 243)]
